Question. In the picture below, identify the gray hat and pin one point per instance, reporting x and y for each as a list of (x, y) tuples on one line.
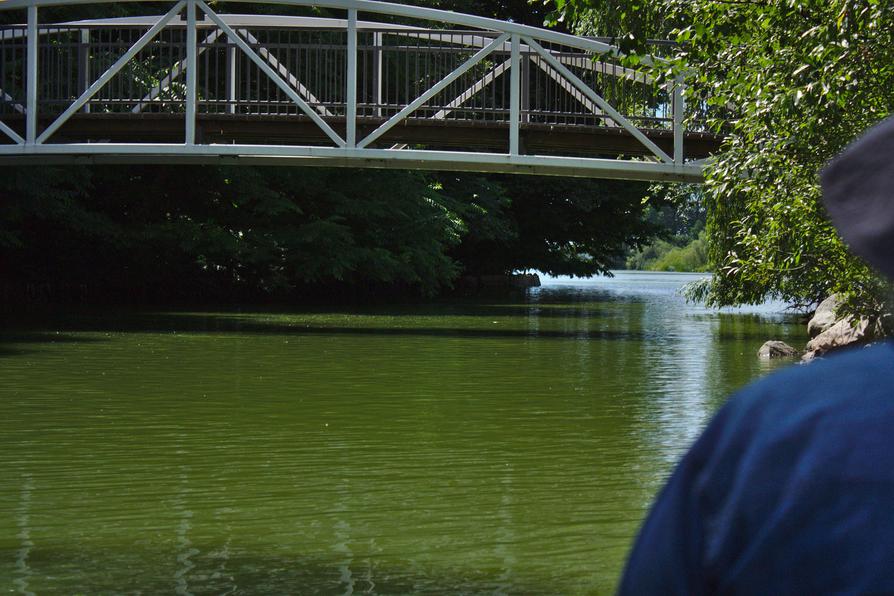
[(858, 189)]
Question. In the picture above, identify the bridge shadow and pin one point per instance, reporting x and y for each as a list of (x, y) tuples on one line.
[(23, 343), (463, 321)]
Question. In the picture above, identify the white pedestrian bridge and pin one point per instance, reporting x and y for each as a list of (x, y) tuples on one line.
[(387, 86)]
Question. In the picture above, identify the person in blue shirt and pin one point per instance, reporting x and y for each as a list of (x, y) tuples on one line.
[(790, 489)]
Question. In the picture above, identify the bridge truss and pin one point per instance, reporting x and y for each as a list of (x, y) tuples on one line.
[(457, 92)]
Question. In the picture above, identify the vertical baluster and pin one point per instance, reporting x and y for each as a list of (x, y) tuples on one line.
[(61, 76), (264, 105), (3, 82), (679, 105), (246, 76), (525, 111), (231, 77), (280, 50), (378, 56), (407, 97), (84, 65), (258, 81), (126, 85), (207, 67)]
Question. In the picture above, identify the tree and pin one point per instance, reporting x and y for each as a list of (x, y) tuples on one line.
[(142, 232), (569, 226), (789, 83)]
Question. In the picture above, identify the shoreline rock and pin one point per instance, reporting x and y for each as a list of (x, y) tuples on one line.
[(844, 332), (829, 332), (824, 317), (776, 349)]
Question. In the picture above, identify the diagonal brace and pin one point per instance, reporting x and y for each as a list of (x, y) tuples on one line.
[(567, 86), (466, 95), (283, 85), (173, 74), (11, 134), (111, 72), (598, 100), (7, 98), (437, 88), (293, 80)]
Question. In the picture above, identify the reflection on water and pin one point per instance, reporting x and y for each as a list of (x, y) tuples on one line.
[(489, 446), (23, 571)]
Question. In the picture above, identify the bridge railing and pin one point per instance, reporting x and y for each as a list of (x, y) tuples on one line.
[(354, 79), (394, 67)]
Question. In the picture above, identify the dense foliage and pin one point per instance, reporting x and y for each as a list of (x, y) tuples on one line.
[(663, 255), (155, 232), (790, 82)]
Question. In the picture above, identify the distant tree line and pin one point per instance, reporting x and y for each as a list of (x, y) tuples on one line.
[(679, 213)]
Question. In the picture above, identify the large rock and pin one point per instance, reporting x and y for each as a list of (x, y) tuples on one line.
[(824, 317), (776, 349), (843, 333)]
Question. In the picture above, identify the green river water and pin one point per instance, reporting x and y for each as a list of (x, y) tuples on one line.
[(507, 446)]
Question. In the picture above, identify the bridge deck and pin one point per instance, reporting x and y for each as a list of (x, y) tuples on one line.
[(535, 138)]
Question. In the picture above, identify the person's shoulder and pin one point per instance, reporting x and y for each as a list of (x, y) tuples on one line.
[(852, 375), (848, 390)]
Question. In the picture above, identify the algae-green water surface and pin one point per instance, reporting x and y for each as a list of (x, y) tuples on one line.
[(490, 446)]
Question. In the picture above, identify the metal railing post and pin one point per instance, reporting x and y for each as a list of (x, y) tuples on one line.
[(191, 48), (351, 91), (514, 93), (379, 52), (31, 89), (526, 89), (231, 77), (84, 66), (679, 108)]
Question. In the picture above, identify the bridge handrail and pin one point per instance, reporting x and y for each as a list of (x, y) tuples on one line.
[(399, 10)]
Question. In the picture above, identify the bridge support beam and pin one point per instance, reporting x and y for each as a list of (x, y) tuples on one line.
[(351, 80), (31, 84), (514, 95), (541, 165), (191, 74)]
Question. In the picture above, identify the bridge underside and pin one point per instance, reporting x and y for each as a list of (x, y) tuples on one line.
[(535, 139), (279, 155)]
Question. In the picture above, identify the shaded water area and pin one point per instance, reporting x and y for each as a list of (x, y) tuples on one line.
[(491, 446)]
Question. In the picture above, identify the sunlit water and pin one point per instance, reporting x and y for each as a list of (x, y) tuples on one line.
[(490, 446)]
